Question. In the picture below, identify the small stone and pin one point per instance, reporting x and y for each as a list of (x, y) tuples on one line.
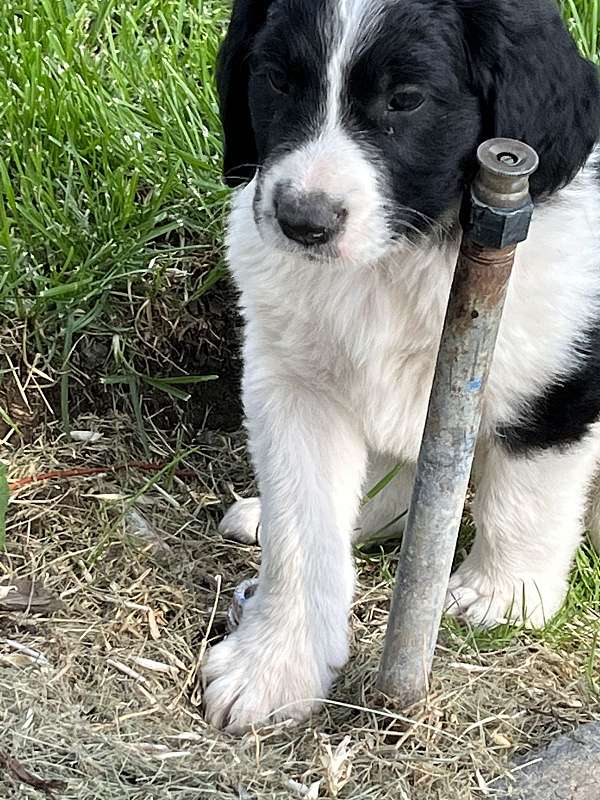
[(567, 769)]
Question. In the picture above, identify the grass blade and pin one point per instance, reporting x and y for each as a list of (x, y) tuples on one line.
[(4, 495)]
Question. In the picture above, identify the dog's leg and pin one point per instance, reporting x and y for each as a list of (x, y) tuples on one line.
[(529, 512), (310, 463), (386, 510)]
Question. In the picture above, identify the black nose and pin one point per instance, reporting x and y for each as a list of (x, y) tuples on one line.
[(310, 218)]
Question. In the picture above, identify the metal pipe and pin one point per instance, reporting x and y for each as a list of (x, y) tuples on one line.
[(495, 216)]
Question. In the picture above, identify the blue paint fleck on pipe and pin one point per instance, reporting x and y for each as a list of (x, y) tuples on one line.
[(474, 385)]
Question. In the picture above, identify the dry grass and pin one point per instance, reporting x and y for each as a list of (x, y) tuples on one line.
[(140, 569)]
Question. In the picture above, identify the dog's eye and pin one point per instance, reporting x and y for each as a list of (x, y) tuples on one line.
[(278, 81), (405, 100)]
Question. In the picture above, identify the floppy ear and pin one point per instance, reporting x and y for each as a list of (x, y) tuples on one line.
[(533, 83), (239, 153)]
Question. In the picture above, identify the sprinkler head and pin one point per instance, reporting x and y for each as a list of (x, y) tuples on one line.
[(504, 169), (496, 211)]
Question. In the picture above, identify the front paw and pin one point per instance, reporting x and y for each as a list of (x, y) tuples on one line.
[(241, 523), (484, 598), (258, 676)]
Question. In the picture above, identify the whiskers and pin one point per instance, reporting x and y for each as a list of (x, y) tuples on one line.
[(243, 177), (430, 226)]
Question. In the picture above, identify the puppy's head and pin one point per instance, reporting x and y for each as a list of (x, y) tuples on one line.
[(361, 117)]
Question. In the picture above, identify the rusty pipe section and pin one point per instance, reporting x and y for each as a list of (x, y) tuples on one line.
[(495, 217)]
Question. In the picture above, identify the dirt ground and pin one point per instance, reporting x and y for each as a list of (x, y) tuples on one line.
[(99, 691)]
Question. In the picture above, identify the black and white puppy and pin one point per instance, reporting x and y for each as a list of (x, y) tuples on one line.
[(354, 124)]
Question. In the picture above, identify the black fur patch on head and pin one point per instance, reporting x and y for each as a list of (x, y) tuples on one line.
[(239, 151), (484, 67), (271, 45), (288, 75), (564, 412), (533, 84), (426, 154)]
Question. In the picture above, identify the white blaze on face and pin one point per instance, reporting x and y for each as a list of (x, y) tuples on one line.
[(333, 161)]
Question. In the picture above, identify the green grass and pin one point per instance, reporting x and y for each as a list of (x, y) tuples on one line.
[(583, 20), (109, 142), (4, 493), (109, 162), (109, 155)]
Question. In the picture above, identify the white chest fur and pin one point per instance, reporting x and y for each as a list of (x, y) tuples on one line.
[(369, 335)]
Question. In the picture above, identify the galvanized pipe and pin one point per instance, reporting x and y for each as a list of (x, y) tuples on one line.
[(495, 216)]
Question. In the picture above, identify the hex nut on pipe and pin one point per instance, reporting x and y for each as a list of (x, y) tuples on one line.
[(496, 212)]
